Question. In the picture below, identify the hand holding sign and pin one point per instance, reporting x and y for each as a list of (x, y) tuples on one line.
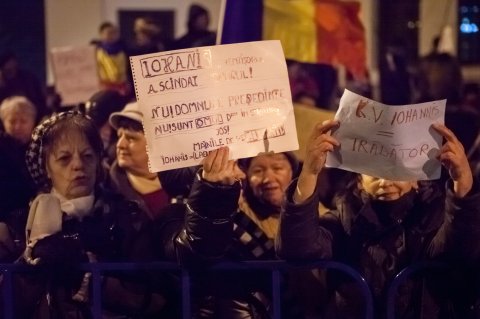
[(453, 157), (217, 168), (386, 141), (319, 144), (196, 100)]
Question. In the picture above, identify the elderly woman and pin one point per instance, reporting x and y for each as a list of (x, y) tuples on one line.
[(18, 115), (230, 294), (75, 220), (129, 173), (380, 226)]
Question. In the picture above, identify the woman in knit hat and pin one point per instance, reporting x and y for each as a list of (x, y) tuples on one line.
[(74, 219)]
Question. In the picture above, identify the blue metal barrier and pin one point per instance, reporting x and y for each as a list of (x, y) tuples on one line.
[(276, 267), (402, 276)]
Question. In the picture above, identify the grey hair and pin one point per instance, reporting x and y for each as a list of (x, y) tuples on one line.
[(17, 104)]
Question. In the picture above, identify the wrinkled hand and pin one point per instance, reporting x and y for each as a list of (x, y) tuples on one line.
[(453, 157), (318, 145), (217, 168), (27, 256)]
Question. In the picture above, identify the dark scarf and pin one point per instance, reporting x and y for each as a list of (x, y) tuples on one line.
[(389, 212)]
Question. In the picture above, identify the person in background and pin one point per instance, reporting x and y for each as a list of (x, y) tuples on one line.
[(471, 99), (17, 81), (395, 74), (148, 37), (381, 226), (437, 77), (112, 59), (129, 174), (99, 108), (197, 29), (18, 116)]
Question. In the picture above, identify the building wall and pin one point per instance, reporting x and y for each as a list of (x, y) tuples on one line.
[(72, 22)]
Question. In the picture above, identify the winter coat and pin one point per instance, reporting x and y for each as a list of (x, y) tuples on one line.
[(116, 230), (232, 294), (118, 181), (430, 224), (16, 185)]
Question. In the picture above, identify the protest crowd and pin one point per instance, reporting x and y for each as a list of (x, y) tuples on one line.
[(76, 188)]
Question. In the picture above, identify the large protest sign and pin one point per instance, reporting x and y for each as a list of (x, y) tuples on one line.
[(75, 73), (196, 100), (392, 142)]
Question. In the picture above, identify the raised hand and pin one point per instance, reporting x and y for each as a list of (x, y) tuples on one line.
[(318, 145), (217, 168), (453, 157)]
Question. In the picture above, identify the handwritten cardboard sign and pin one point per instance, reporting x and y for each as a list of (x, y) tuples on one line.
[(75, 73), (392, 142), (196, 100)]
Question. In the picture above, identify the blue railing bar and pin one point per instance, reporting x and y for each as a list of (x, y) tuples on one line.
[(272, 265), (7, 294), (328, 264), (186, 306), (400, 279), (96, 293), (277, 311)]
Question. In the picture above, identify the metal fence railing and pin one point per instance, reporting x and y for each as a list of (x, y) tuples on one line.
[(275, 267), (403, 276)]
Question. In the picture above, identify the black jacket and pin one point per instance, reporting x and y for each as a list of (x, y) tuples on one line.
[(428, 225), (116, 230)]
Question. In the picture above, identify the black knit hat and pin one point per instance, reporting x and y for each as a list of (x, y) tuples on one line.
[(102, 104)]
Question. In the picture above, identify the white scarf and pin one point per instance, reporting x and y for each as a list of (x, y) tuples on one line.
[(46, 214), (78, 207)]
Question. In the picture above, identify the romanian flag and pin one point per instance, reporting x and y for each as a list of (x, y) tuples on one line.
[(311, 31)]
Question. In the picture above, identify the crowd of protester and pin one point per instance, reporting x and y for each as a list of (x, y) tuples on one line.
[(76, 188)]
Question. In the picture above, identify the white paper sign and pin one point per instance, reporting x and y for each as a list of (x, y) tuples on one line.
[(196, 100), (392, 142), (75, 72)]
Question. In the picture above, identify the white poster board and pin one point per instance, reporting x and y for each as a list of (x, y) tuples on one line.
[(392, 142), (75, 73), (196, 100)]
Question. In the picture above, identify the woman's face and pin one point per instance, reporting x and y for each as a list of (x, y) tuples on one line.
[(269, 176), (72, 166), (132, 151), (19, 126), (384, 189)]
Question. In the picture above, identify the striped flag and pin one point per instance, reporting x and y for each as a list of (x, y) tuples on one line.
[(311, 31)]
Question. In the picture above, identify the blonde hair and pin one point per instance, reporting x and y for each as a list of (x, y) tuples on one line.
[(14, 104)]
